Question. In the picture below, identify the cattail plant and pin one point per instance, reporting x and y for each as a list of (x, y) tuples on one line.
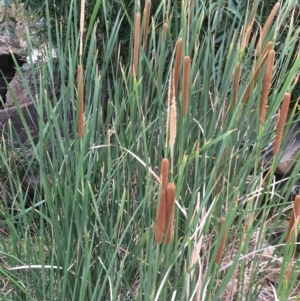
[(161, 215), (80, 91), (186, 83), (281, 121), (257, 70), (136, 46), (294, 219), (236, 80), (266, 27), (177, 64), (266, 85), (147, 9), (171, 188), (222, 243)]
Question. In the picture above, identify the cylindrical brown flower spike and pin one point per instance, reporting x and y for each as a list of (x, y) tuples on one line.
[(266, 85), (222, 243), (177, 64), (146, 22), (257, 70), (136, 42), (281, 121), (186, 83), (170, 211), (292, 230), (80, 90), (161, 216)]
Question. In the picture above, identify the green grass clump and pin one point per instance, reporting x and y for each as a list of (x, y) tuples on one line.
[(88, 232)]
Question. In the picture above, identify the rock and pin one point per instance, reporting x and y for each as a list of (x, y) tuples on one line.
[(7, 66), (18, 90)]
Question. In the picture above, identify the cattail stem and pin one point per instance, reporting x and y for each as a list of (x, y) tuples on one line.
[(177, 64), (222, 243), (281, 121), (186, 83), (80, 90), (266, 27), (170, 211), (146, 23), (136, 47), (293, 223), (266, 85), (161, 216)]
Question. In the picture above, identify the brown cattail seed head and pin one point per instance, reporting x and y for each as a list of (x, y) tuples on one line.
[(236, 80), (80, 89), (266, 27), (257, 70), (161, 216), (137, 28), (292, 230), (222, 243), (281, 121), (170, 211), (146, 22), (177, 64), (266, 85), (186, 83)]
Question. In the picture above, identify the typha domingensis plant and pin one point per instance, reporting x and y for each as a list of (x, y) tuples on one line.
[(186, 83), (177, 64), (221, 246), (171, 188), (80, 91), (281, 121), (257, 70), (161, 215), (236, 80), (146, 18), (294, 219), (266, 27), (80, 76), (136, 43), (266, 85)]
